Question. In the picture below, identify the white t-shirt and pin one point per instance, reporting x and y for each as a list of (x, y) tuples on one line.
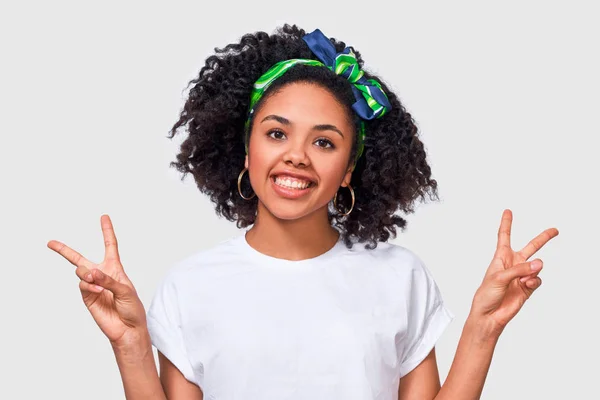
[(347, 324)]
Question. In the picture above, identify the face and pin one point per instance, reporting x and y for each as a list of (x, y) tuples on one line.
[(299, 151)]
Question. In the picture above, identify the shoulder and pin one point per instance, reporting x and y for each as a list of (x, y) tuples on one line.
[(221, 259), (398, 265), (390, 255)]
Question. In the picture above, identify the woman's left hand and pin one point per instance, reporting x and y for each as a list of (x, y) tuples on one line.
[(510, 279)]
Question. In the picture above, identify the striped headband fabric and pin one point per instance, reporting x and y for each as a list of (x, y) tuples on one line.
[(371, 101)]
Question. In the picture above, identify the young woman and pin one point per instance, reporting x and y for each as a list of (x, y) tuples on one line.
[(287, 134)]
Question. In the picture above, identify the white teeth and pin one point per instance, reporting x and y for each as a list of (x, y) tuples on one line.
[(292, 184)]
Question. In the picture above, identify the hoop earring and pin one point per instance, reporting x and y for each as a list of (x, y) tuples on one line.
[(335, 202), (240, 185)]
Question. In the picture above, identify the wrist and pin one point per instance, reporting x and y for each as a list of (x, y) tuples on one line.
[(134, 345), (483, 330)]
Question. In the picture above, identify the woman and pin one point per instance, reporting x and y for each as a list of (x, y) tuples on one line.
[(295, 307)]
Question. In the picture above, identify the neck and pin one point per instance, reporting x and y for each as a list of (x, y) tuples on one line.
[(297, 239)]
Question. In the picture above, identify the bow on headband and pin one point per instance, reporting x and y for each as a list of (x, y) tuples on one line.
[(371, 101)]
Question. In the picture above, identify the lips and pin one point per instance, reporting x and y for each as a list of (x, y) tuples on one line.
[(290, 192), (292, 183), (294, 176), (290, 179)]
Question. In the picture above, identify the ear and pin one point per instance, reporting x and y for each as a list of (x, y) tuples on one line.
[(347, 177), (246, 161)]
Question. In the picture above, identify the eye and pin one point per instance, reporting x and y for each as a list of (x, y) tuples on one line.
[(276, 134), (324, 143)]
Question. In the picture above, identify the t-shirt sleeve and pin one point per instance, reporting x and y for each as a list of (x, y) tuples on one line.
[(164, 325), (428, 317)]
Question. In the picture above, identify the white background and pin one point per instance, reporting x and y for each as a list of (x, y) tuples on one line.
[(505, 96)]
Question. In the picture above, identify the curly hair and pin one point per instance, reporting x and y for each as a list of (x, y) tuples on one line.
[(391, 175)]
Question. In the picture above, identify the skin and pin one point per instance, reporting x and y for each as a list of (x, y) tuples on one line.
[(294, 130), (509, 282), (289, 134)]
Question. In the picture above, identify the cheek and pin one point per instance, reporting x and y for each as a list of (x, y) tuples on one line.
[(261, 151), (260, 161), (331, 172)]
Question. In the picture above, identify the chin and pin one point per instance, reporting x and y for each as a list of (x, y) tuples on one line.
[(288, 212)]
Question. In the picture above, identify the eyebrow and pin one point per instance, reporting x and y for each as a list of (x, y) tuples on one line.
[(285, 121)]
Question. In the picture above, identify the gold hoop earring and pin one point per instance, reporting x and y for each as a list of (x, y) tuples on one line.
[(240, 185), (335, 202)]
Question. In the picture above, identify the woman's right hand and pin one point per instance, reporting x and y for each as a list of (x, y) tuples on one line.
[(107, 292)]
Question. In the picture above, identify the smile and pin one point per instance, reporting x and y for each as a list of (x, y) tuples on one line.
[(291, 188), (292, 183)]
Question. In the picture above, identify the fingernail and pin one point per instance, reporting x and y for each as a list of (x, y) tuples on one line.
[(88, 277), (523, 279), (98, 288), (536, 265)]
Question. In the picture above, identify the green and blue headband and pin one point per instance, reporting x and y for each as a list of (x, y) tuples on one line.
[(371, 101)]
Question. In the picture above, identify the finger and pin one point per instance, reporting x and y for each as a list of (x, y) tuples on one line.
[(84, 274), (69, 254), (528, 277), (505, 228), (520, 270), (534, 283), (117, 288), (110, 240), (89, 288), (538, 242)]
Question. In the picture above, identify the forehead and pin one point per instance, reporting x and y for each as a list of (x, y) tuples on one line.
[(305, 101)]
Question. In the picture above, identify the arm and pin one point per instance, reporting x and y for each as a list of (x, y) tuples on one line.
[(471, 363), (140, 377), (175, 385), (508, 283), (138, 370), (466, 376), (116, 308), (114, 304), (423, 382)]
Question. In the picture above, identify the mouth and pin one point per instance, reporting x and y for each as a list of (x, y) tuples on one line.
[(287, 182)]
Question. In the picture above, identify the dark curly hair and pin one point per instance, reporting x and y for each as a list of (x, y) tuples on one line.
[(391, 175)]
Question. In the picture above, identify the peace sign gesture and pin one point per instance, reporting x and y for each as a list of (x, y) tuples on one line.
[(107, 292), (510, 279)]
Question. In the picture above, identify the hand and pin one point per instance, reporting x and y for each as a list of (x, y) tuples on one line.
[(510, 279), (107, 292)]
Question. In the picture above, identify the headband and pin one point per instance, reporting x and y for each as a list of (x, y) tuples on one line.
[(371, 101)]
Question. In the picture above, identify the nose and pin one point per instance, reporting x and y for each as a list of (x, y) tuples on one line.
[(296, 155)]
